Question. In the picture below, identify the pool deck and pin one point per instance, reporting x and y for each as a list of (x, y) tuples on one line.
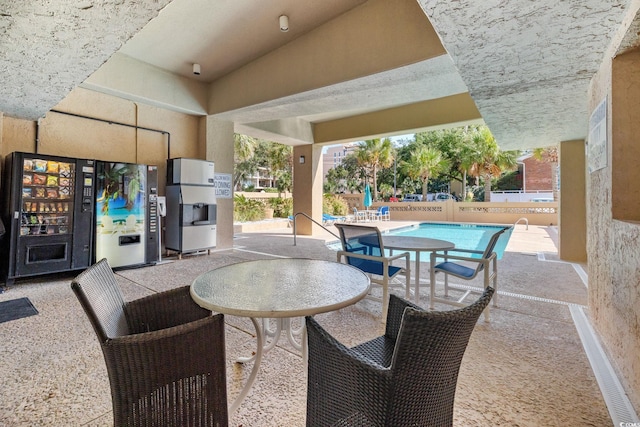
[(527, 367)]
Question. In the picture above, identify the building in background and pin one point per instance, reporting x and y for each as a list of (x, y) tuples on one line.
[(334, 156)]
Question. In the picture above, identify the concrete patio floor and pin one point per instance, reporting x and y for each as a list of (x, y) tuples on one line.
[(527, 367)]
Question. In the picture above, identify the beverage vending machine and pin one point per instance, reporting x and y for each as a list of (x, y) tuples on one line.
[(48, 210), (126, 220)]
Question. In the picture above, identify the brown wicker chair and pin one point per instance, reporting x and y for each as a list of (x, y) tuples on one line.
[(406, 377), (165, 355)]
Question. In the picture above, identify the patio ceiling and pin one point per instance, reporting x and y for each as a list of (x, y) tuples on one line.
[(346, 69)]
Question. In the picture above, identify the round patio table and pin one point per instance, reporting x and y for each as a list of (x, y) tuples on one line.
[(417, 245), (280, 289)]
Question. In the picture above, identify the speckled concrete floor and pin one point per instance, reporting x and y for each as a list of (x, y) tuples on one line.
[(526, 367)]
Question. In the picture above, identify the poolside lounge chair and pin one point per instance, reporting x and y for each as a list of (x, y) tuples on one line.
[(362, 248), (382, 214), (165, 355), (407, 377), (360, 216), (466, 268), (330, 219)]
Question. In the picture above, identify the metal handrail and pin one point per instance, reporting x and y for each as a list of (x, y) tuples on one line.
[(312, 220), (526, 221)]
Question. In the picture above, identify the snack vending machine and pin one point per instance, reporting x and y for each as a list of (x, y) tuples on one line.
[(126, 221), (48, 211)]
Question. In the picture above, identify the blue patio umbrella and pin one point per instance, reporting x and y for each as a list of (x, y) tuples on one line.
[(367, 196)]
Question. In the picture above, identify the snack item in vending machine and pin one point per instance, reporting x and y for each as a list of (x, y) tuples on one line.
[(65, 170), (39, 179), (27, 178), (65, 192), (40, 165), (27, 165), (52, 181), (52, 167)]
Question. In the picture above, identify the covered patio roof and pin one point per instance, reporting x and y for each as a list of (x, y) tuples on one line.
[(345, 70)]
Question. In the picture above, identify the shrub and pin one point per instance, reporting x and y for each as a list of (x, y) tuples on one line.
[(333, 204), (282, 208), (245, 209)]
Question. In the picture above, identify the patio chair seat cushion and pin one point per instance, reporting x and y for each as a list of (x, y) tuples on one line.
[(373, 267), (456, 269)]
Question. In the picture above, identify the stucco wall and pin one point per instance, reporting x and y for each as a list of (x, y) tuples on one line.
[(63, 135), (613, 246)]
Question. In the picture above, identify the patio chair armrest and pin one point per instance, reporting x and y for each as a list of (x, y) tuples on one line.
[(401, 255), (337, 373), (372, 257), (163, 310), (435, 256), (130, 354)]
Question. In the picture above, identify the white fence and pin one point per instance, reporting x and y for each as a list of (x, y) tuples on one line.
[(519, 196)]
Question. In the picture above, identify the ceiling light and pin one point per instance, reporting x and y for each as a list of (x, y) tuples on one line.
[(196, 69), (284, 23)]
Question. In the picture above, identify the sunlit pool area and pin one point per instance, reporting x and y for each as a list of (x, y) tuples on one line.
[(463, 235)]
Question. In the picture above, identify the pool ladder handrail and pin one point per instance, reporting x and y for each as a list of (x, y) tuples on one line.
[(312, 220), (526, 221)]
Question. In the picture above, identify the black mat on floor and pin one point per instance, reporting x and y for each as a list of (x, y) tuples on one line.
[(16, 309)]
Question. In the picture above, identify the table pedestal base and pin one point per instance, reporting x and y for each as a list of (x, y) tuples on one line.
[(283, 326)]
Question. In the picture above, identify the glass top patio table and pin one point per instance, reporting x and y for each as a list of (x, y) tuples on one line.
[(281, 289), (417, 245)]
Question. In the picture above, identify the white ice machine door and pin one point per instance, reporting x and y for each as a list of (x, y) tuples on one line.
[(193, 171), (193, 194)]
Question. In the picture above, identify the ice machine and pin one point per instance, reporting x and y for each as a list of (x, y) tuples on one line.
[(191, 205)]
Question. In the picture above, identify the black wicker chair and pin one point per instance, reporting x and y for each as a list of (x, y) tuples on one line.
[(165, 355), (406, 377)]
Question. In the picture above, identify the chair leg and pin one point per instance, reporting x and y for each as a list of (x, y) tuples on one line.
[(495, 283), (446, 284)]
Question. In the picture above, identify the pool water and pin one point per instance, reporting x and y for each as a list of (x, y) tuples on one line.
[(464, 236)]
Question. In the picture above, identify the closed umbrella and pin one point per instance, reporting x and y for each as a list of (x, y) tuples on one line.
[(367, 197)]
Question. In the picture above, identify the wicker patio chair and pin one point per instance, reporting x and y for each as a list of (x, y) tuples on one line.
[(406, 377), (165, 355)]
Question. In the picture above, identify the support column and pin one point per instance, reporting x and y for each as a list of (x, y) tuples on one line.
[(307, 186), (218, 137), (572, 225)]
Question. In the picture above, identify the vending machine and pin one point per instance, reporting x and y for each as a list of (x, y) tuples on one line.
[(48, 211), (126, 220)]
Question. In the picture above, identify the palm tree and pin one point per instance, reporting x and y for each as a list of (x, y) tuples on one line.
[(375, 154), (280, 161), (550, 155), (422, 164), (488, 160), (244, 148)]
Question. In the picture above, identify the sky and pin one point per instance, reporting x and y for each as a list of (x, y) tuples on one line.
[(394, 139)]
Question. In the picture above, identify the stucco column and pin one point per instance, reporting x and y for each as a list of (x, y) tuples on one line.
[(307, 186), (218, 137), (572, 226)]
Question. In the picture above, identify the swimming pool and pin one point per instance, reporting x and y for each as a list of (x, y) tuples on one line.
[(464, 236)]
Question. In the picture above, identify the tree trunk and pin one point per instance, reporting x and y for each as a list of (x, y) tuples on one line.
[(375, 183), (554, 180), (464, 186), (425, 188), (487, 188)]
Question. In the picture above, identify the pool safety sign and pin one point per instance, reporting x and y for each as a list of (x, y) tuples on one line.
[(222, 182), (597, 144)]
